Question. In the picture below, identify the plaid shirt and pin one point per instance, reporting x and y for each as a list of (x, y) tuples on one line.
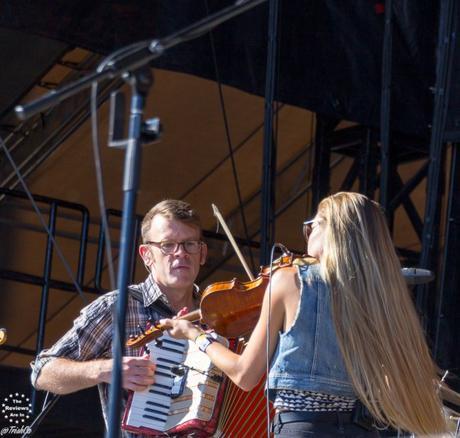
[(91, 335)]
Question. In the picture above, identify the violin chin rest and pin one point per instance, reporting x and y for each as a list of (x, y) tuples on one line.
[(302, 261)]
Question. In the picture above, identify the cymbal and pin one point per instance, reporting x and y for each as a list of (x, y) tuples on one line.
[(417, 275)]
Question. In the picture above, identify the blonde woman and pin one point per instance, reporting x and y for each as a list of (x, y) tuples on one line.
[(341, 331)]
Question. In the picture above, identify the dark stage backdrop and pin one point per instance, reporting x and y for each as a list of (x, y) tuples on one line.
[(452, 131), (330, 50)]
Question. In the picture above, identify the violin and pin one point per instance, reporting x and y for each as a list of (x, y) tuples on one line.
[(231, 308)]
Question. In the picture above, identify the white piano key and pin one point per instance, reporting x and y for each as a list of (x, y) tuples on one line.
[(137, 419), (162, 356), (162, 380), (141, 397), (154, 411)]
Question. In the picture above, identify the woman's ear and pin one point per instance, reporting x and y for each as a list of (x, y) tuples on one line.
[(203, 253)]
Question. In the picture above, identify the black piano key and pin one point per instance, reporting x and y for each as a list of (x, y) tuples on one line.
[(154, 391), (162, 359), (170, 341), (151, 417), (155, 411), (159, 373), (160, 385), (172, 350), (159, 405), (164, 367)]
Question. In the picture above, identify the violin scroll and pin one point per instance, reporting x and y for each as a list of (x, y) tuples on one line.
[(148, 335), (156, 330)]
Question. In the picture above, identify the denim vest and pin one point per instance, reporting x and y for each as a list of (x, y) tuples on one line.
[(307, 356)]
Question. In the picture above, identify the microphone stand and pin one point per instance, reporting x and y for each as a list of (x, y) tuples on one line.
[(140, 82), (128, 63)]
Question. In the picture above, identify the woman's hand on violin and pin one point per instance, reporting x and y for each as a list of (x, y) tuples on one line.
[(180, 328)]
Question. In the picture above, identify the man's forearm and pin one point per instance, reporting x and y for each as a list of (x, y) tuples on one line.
[(64, 376)]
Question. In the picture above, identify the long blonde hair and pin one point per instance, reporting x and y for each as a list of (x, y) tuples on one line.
[(377, 327)]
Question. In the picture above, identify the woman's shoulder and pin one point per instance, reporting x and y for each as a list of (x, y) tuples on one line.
[(284, 274), (309, 267), (301, 269), (284, 279), (311, 277)]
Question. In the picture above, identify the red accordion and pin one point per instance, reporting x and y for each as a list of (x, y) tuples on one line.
[(192, 397)]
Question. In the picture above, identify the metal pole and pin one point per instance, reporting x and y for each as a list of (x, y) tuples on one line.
[(385, 112), (447, 332), (435, 176), (45, 291), (140, 83), (267, 215), (321, 169)]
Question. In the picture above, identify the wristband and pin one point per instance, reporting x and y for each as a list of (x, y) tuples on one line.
[(204, 340)]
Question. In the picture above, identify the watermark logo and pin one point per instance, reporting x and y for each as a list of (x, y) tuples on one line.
[(17, 430), (16, 409)]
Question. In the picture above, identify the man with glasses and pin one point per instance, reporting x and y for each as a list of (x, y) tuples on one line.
[(172, 252)]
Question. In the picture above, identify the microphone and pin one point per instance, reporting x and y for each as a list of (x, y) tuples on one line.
[(417, 275), (180, 370)]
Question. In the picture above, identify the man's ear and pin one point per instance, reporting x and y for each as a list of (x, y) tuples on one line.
[(145, 254), (203, 253)]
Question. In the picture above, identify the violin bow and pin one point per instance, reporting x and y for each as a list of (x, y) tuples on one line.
[(232, 240)]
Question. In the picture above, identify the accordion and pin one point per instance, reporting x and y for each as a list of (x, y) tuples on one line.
[(191, 397)]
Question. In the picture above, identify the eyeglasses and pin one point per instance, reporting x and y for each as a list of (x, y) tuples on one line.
[(169, 247), (307, 227)]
